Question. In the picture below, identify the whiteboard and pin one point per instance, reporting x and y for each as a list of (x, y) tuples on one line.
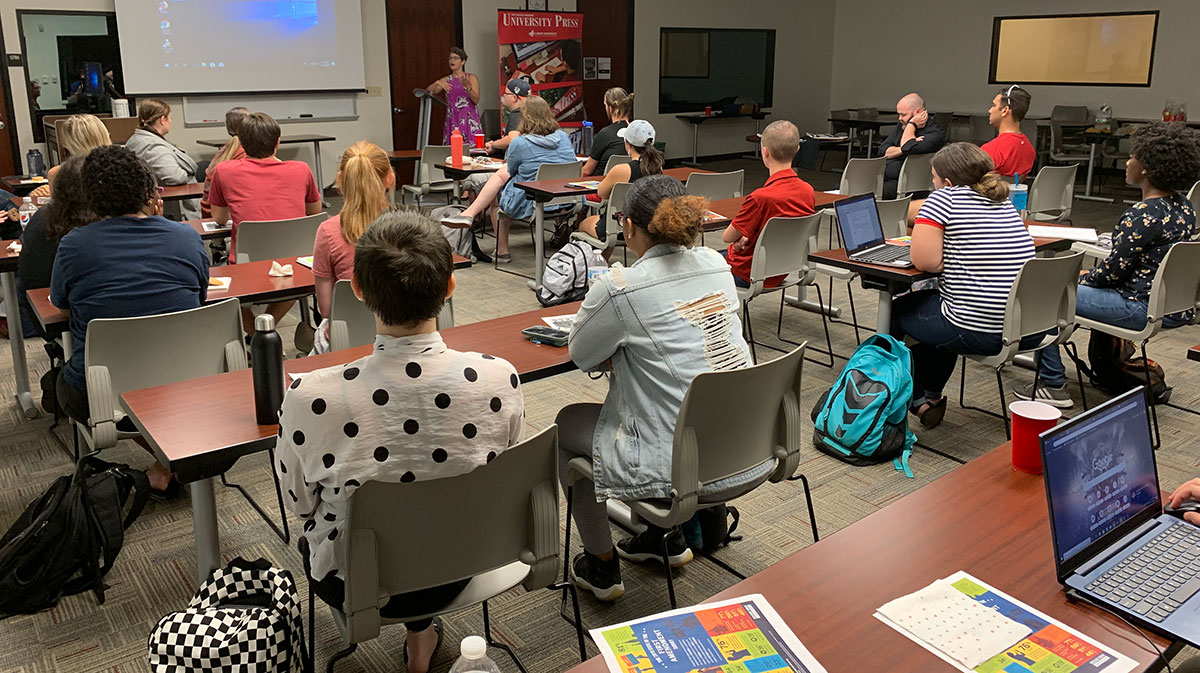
[(285, 108)]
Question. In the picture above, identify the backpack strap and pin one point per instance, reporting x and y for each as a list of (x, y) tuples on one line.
[(901, 463)]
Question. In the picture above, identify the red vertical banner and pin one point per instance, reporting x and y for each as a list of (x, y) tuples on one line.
[(545, 49)]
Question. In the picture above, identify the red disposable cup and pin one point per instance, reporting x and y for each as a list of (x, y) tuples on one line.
[(1030, 419), (478, 141), (708, 111)]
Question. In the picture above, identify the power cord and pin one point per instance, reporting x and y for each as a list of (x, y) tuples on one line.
[(1076, 597)]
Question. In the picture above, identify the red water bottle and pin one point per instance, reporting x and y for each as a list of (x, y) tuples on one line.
[(456, 149)]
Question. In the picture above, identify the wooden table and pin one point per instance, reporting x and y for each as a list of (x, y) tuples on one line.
[(401, 156), (315, 138), (20, 184), (199, 428), (8, 284), (697, 119), (984, 518), (192, 190)]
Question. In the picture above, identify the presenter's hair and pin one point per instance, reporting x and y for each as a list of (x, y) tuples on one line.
[(782, 140), (966, 164), (661, 205), (458, 51), (259, 133), (1016, 100), (362, 178), (82, 134), (620, 101), (151, 110), (116, 182), (1169, 153), (403, 265), (536, 117)]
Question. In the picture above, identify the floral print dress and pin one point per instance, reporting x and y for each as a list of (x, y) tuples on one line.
[(461, 113), (1140, 242)]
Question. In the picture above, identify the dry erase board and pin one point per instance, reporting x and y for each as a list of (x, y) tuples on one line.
[(286, 108)]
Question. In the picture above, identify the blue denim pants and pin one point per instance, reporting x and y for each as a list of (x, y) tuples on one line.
[(1104, 305)]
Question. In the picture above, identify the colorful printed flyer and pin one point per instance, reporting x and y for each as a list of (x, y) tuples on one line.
[(741, 635), (1052, 647)]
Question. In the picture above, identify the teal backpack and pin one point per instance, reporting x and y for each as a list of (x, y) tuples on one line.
[(862, 419)]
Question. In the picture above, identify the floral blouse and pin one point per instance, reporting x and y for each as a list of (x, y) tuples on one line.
[(1140, 242)]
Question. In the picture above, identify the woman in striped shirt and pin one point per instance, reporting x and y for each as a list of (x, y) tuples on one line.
[(968, 232)]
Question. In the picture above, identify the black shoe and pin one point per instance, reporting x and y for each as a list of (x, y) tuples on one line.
[(647, 546), (602, 578)]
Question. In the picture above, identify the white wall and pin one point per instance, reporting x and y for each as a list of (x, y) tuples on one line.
[(803, 52), (943, 51), (41, 45), (374, 121)]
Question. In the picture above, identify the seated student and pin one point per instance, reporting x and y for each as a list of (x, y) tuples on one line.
[(79, 135), (132, 262), (968, 232), (230, 151), (261, 188), (365, 179), (513, 99), (1010, 150), (783, 195), (618, 105), (637, 140), (540, 141), (915, 134), (168, 164), (1164, 161), (411, 410), (655, 325)]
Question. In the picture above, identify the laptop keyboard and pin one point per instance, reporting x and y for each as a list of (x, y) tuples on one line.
[(1159, 577), (886, 254)]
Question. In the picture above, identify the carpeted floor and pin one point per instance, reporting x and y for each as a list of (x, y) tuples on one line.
[(155, 571)]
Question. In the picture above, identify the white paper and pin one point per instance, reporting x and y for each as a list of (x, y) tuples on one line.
[(221, 283), (15, 246), (603, 67), (305, 261), (213, 226), (560, 322), (1068, 233)]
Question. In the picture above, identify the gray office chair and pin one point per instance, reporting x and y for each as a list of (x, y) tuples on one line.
[(490, 120), (1042, 298), (497, 525), (612, 228), (732, 422), (863, 175), (615, 160), (916, 174), (1193, 196), (352, 324), (1052, 194), (893, 215), (565, 207), (1175, 289), (275, 239), (716, 186), (430, 179), (982, 130), (1063, 117)]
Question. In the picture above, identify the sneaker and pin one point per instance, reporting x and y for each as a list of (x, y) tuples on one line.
[(457, 221), (602, 578), (647, 546), (1055, 397), (503, 258)]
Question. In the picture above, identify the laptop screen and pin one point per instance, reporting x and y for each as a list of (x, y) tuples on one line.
[(1100, 474), (858, 218)]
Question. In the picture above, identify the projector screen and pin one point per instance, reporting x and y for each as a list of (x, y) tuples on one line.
[(1084, 49), (239, 46)]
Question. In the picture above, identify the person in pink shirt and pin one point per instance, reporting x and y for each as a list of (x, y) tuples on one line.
[(261, 187), (365, 179), (230, 151)]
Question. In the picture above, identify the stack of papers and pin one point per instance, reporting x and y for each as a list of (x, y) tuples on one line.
[(1083, 234), (584, 184)]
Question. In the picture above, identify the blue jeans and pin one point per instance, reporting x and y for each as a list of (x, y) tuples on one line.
[(1102, 304), (737, 282)]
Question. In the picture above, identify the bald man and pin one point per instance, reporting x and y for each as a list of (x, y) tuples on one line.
[(915, 134)]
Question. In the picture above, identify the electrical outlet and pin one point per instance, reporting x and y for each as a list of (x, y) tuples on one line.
[(373, 91), (45, 79), (54, 79)]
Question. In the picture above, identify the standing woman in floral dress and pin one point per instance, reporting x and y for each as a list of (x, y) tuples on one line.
[(462, 96)]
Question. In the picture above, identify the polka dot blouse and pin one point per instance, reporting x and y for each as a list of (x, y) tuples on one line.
[(411, 410)]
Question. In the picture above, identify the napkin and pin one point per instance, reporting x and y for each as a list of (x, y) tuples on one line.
[(15, 246), (280, 271)]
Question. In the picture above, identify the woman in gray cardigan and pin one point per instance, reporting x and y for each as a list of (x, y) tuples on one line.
[(169, 164)]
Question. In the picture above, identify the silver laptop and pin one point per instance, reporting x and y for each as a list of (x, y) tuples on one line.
[(862, 233)]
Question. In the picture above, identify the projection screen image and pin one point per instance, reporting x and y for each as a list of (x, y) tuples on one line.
[(1096, 49)]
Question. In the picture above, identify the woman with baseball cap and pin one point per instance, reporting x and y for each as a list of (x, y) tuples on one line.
[(646, 160)]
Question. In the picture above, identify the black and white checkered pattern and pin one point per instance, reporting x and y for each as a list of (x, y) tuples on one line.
[(220, 632)]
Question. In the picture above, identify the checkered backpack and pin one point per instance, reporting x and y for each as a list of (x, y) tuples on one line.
[(244, 618)]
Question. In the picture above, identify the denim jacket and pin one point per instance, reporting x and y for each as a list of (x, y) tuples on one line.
[(659, 323)]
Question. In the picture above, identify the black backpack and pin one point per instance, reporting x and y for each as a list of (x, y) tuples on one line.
[(1114, 369), (45, 554)]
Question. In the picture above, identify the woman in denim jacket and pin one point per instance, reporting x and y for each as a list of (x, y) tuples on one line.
[(654, 326)]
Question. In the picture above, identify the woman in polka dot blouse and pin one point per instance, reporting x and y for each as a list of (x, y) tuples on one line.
[(413, 409)]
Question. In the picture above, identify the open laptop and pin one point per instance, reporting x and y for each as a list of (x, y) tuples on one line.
[(1112, 542), (858, 219)]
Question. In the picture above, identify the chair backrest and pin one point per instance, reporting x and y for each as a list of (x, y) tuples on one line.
[(1176, 284), (981, 130), (1071, 114), (431, 156), (615, 160), (352, 324), (1052, 193), (570, 170), (945, 120), (916, 174), (893, 215), (499, 513), (862, 176), (1194, 196), (158, 349), (257, 241), (782, 248), (616, 204), (716, 186), (490, 120), (1042, 298)]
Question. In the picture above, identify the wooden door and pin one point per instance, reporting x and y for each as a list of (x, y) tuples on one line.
[(10, 161), (608, 31), (420, 35)]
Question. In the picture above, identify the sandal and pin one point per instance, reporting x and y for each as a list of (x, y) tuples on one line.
[(933, 414), (437, 626), (173, 490)]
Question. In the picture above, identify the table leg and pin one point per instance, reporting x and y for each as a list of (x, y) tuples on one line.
[(870, 140), (1087, 190), (204, 528), (320, 176), (883, 319), (17, 344), (695, 163), (539, 214)]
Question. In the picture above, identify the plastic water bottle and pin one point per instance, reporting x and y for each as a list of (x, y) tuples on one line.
[(266, 355), (26, 211), (34, 162), (588, 134), (473, 657), (456, 148)]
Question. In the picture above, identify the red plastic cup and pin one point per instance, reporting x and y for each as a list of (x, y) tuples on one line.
[(708, 111), (478, 141), (1030, 419)]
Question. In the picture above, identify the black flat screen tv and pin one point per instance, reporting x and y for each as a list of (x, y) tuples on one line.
[(714, 67)]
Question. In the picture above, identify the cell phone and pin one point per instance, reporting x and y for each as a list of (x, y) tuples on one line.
[(540, 334)]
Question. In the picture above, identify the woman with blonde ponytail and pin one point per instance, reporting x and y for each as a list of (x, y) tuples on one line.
[(366, 180), (967, 232), (618, 105)]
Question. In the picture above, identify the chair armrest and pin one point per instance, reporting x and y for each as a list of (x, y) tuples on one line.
[(235, 356), (579, 468), (685, 476), (339, 335), (101, 403), (542, 554), (362, 587)]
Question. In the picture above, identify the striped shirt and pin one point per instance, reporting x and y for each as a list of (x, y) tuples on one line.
[(984, 245)]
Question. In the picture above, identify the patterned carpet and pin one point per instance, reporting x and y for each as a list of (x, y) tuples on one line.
[(155, 572)]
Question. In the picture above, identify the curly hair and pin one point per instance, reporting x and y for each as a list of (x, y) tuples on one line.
[(1170, 153), (69, 208), (661, 205), (116, 182)]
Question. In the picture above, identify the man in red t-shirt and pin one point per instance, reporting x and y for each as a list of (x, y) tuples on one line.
[(261, 188), (783, 195), (1010, 150)]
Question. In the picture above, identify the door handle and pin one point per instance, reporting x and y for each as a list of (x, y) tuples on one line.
[(397, 110)]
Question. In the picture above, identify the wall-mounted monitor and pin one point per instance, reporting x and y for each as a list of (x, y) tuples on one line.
[(714, 67), (1115, 49)]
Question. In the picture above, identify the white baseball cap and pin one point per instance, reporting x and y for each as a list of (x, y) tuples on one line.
[(639, 133)]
